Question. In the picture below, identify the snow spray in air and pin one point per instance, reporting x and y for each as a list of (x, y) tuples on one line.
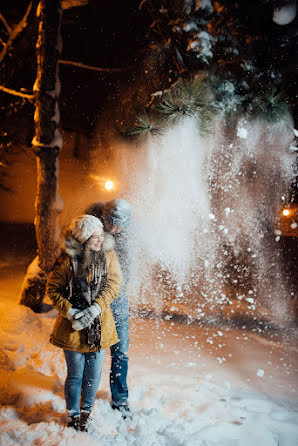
[(204, 209), (251, 168)]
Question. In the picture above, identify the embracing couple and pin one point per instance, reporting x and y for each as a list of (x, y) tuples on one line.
[(88, 288)]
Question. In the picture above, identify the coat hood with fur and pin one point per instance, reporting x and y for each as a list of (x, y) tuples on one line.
[(74, 248)]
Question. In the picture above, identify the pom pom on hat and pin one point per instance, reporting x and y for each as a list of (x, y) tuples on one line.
[(82, 227)]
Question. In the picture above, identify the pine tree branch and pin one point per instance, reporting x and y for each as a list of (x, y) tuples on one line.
[(30, 97), (15, 32), (90, 67)]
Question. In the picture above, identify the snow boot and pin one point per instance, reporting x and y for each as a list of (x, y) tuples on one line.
[(74, 422), (84, 420), (123, 409)]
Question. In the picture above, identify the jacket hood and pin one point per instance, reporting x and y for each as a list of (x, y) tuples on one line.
[(117, 212), (74, 248)]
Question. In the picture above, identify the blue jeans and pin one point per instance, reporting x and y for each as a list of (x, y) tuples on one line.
[(82, 381), (119, 352)]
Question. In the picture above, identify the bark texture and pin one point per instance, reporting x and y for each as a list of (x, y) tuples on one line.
[(46, 145)]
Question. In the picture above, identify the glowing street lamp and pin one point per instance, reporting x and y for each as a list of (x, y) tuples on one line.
[(103, 182), (286, 212), (109, 185)]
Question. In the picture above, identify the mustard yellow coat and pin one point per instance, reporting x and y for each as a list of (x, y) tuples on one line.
[(63, 334)]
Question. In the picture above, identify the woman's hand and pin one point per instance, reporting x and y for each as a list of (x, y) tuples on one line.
[(71, 313), (84, 318)]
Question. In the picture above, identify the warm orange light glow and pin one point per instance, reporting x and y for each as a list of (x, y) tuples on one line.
[(109, 185), (286, 212), (104, 182)]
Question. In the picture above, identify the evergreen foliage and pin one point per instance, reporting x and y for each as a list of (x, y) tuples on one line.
[(185, 98), (270, 107), (269, 104), (203, 98), (143, 125), (235, 42)]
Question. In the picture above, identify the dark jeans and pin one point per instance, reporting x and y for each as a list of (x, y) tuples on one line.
[(119, 352), (83, 376)]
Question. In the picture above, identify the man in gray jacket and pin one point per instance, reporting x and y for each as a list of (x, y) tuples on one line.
[(115, 216)]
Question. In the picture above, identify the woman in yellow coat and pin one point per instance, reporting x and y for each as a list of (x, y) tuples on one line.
[(84, 281)]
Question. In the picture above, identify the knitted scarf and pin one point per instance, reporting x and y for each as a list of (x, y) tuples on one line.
[(88, 277)]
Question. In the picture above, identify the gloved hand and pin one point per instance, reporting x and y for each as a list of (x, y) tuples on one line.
[(71, 313), (84, 318)]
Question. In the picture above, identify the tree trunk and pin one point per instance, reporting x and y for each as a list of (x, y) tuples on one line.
[(46, 145)]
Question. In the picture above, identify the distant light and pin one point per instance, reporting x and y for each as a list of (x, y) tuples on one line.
[(109, 185), (285, 14), (286, 212)]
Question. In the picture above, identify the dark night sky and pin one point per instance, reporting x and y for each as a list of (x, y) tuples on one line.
[(102, 34)]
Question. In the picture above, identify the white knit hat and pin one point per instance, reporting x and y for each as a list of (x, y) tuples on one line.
[(82, 227)]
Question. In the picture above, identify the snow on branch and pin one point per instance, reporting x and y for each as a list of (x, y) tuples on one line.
[(67, 4), (30, 97), (90, 67), (13, 33)]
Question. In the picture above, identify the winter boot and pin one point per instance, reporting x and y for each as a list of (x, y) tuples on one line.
[(84, 420), (74, 422), (123, 409)]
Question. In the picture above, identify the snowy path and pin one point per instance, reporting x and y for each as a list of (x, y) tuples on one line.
[(189, 385)]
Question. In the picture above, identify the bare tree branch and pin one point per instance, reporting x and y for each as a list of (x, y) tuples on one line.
[(30, 97), (15, 32), (141, 4), (5, 23), (89, 67)]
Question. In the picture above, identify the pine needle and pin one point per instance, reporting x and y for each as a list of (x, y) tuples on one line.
[(143, 125), (185, 98), (270, 107)]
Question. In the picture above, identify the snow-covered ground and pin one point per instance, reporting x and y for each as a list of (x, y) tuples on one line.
[(189, 385)]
